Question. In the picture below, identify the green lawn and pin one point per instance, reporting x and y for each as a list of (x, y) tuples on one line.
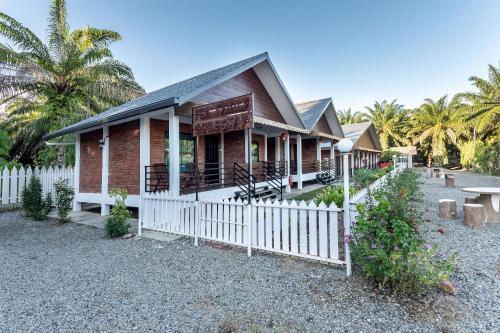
[(308, 195)]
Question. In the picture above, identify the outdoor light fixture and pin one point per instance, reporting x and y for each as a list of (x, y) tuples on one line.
[(344, 146), (102, 141)]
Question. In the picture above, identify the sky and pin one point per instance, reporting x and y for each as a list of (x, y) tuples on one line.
[(355, 51)]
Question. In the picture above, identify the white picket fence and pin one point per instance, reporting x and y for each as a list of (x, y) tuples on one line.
[(291, 228), (12, 182)]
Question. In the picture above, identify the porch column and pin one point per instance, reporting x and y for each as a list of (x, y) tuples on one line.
[(221, 156), (277, 150), (174, 152), (77, 206), (144, 151), (105, 172), (246, 145), (299, 161), (318, 153), (287, 158), (332, 156), (265, 147)]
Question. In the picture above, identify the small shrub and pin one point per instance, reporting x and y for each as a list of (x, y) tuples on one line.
[(33, 203), (64, 199), (333, 194), (386, 242), (117, 225)]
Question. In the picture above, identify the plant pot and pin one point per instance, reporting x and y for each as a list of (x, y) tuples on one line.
[(384, 164)]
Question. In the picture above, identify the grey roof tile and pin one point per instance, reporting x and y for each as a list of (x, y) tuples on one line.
[(164, 95), (311, 111), (354, 131)]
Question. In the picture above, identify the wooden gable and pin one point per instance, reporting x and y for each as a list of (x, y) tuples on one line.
[(242, 84), (366, 141), (322, 125)]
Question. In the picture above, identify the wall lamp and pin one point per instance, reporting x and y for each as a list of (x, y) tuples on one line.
[(102, 142)]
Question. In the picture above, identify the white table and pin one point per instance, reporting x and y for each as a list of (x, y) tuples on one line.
[(489, 197)]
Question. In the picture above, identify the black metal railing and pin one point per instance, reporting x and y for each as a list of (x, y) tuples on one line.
[(156, 178)]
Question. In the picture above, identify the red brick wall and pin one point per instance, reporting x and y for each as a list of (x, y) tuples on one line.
[(157, 129), (90, 162), (124, 157)]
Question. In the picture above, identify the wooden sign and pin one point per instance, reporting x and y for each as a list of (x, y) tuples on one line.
[(229, 115)]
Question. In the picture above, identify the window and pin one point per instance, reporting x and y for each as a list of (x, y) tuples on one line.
[(186, 152), (255, 151)]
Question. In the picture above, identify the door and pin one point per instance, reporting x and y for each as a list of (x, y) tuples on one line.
[(211, 160)]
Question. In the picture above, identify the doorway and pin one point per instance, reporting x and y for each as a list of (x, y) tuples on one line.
[(211, 160)]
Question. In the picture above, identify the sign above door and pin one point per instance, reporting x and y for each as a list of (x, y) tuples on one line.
[(233, 114)]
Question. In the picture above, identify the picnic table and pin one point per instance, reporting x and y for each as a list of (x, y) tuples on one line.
[(489, 197)]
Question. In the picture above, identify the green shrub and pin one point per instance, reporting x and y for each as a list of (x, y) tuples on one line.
[(333, 194), (386, 242), (64, 199), (364, 177), (117, 225), (33, 203)]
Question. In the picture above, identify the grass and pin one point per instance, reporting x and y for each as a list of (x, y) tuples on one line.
[(308, 195)]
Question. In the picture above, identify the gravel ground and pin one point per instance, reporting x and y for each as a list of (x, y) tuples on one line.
[(72, 278)]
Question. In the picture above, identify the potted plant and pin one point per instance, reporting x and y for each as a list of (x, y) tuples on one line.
[(385, 159)]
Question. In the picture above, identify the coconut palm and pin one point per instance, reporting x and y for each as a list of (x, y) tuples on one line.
[(389, 120), (47, 86), (484, 106), (434, 124), (346, 116)]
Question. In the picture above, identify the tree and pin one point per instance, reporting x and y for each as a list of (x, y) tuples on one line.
[(483, 110), (389, 120), (48, 86), (346, 116), (434, 125)]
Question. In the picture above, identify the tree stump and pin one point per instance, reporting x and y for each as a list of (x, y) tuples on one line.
[(447, 209), (436, 173), (449, 180), (474, 215), (471, 200)]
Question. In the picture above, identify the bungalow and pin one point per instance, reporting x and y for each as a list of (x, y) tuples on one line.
[(233, 131), (366, 146)]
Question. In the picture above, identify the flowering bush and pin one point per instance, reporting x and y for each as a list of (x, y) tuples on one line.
[(364, 177), (386, 242)]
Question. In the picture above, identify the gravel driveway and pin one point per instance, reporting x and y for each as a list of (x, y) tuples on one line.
[(72, 278)]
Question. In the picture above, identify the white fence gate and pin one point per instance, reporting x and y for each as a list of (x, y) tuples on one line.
[(296, 229), (12, 182)]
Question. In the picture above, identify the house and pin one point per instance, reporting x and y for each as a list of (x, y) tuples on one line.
[(366, 146), (233, 131)]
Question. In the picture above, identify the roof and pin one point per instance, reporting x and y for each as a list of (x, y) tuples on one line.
[(311, 111), (164, 97), (272, 123), (406, 150), (355, 131)]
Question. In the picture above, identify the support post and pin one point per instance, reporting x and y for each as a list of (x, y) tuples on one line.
[(318, 153), (77, 206), (299, 161), (174, 152), (347, 215), (105, 208), (265, 147), (144, 160), (249, 161), (249, 228), (221, 156), (287, 160)]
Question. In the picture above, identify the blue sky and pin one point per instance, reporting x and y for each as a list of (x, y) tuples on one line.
[(353, 51)]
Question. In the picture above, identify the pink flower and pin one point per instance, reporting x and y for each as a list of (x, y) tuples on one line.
[(441, 231), (347, 239)]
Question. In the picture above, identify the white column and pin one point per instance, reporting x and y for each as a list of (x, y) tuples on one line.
[(246, 145), (287, 158), (318, 149), (347, 215), (332, 157), (174, 152), (221, 156), (265, 147), (105, 207), (144, 150), (410, 161), (299, 161), (77, 206)]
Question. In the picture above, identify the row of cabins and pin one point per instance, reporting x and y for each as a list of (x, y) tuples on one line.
[(147, 144)]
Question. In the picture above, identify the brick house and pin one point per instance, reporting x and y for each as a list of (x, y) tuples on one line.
[(147, 144)]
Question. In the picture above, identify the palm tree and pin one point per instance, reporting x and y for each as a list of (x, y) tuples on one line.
[(389, 120), (483, 109), (434, 124), (346, 116), (47, 86)]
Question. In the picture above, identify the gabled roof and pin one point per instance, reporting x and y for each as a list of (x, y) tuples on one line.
[(355, 131), (174, 94), (311, 111)]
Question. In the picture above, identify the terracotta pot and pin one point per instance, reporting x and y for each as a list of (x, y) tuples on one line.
[(384, 164)]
